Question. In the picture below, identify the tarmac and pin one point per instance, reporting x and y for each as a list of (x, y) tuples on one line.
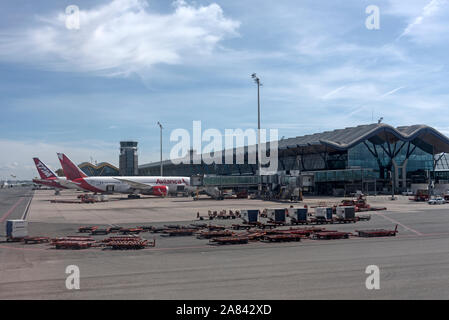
[(413, 265), (13, 203)]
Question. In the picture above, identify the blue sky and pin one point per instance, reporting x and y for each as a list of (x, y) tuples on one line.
[(134, 62)]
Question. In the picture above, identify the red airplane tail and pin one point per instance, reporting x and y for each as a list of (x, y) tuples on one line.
[(43, 170), (71, 171)]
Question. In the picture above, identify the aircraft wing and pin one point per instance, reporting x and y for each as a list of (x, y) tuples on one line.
[(136, 185)]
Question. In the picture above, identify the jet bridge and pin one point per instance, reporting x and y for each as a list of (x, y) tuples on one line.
[(225, 181)]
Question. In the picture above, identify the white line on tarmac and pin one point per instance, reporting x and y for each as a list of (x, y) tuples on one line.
[(397, 222), (25, 213)]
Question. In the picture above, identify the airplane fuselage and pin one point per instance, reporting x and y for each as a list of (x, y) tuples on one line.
[(115, 185)]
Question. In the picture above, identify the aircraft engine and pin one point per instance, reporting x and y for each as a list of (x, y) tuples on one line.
[(160, 191)]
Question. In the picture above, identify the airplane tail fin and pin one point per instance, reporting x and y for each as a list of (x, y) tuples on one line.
[(43, 170), (71, 171)]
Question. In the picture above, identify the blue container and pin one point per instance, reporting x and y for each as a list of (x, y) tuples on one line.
[(301, 214), (253, 215), (9, 225), (329, 213), (279, 215)]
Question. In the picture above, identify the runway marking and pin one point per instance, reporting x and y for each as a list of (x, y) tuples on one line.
[(397, 222), (25, 213), (7, 214), (424, 235)]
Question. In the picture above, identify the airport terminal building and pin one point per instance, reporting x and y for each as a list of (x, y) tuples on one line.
[(374, 157), (101, 169)]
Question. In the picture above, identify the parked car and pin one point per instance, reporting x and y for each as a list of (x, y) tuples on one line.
[(437, 200)]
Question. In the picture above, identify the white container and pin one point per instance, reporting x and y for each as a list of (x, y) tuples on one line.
[(323, 213), (320, 212), (16, 228), (346, 212), (270, 213)]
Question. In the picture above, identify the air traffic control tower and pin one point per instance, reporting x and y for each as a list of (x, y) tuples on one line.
[(128, 158)]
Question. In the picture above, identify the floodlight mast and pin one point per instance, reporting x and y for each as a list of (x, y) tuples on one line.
[(161, 127), (257, 81)]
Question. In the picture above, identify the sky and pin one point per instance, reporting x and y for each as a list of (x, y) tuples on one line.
[(132, 63)]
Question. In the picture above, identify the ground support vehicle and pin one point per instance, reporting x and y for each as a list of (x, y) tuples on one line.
[(330, 235), (229, 240), (377, 233)]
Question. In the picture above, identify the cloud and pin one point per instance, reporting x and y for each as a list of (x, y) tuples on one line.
[(324, 47), (333, 92), (392, 92), (430, 24), (10, 166), (120, 38), (427, 11)]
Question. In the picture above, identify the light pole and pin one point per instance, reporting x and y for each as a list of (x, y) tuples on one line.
[(257, 81), (160, 126)]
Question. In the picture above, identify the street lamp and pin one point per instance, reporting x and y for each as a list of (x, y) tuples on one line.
[(257, 81), (160, 126)]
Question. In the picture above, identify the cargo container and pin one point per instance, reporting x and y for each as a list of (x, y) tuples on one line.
[(16, 229), (345, 212), (277, 215), (323, 213), (300, 214), (250, 216)]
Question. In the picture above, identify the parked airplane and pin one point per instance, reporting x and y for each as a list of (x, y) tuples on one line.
[(50, 179), (159, 186)]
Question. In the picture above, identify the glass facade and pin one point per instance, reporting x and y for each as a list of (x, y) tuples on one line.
[(342, 166), (360, 156), (348, 175), (311, 162), (333, 172)]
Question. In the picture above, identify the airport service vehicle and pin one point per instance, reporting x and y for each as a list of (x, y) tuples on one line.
[(50, 179), (360, 204), (16, 230), (159, 186), (421, 195), (446, 196), (437, 200)]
